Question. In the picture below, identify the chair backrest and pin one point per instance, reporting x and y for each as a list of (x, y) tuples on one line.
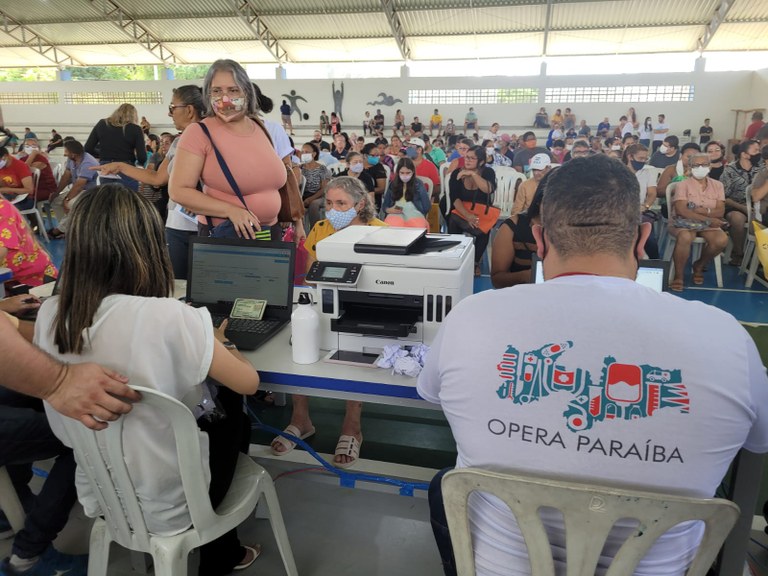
[(428, 184), (388, 181), (670, 193), (337, 167), (58, 170), (589, 513), (507, 182), (303, 184), (445, 177), (100, 457), (36, 180)]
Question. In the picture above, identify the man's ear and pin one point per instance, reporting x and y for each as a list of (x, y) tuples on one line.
[(538, 234)]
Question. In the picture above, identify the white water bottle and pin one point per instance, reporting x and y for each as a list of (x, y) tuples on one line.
[(305, 332)]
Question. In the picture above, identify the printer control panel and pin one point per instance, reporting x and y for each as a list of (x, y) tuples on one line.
[(334, 273)]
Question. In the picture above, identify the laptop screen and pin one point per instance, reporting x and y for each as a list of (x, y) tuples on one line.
[(650, 273), (222, 270)]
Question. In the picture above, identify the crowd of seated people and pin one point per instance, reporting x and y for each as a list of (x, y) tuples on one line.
[(386, 186)]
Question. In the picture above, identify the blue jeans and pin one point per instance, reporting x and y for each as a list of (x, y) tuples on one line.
[(440, 524), (178, 248), (26, 437)]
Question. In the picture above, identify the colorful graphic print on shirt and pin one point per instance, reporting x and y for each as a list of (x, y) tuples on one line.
[(625, 391)]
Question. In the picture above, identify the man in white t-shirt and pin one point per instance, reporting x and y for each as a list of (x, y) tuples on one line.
[(660, 131), (592, 377)]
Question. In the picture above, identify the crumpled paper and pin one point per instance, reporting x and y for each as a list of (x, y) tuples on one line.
[(407, 361)]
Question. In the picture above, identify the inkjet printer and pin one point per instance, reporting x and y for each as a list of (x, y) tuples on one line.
[(383, 285)]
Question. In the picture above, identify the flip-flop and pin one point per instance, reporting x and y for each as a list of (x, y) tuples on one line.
[(348, 446), (255, 550), (676, 285), (289, 444)]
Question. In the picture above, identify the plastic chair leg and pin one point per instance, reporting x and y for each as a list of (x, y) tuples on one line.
[(169, 561), (278, 527), (41, 224), (98, 558), (719, 270), (749, 247), (753, 263)]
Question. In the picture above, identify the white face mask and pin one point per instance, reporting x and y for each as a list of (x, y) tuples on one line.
[(489, 151), (29, 149), (406, 177), (569, 147), (663, 149), (306, 158), (700, 172), (616, 147), (356, 168)]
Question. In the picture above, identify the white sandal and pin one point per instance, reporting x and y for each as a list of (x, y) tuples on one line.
[(255, 550), (289, 444), (347, 446)]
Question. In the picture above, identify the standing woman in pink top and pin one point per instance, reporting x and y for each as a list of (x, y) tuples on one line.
[(245, 147)]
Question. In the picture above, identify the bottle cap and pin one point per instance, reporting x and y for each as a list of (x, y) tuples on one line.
[(304, 298)]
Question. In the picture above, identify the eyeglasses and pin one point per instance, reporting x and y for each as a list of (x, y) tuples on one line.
[(468, 157), (705, 165), (173, 107), (232, 92)]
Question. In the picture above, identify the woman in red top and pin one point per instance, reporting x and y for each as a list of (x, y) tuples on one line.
[(34, 157), (247, 150), (19, 250)]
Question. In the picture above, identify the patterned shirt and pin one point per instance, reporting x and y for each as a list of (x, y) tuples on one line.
[(314, 177), (29, 263), (735, 180)]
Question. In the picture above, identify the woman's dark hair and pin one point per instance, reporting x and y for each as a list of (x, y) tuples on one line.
[(398, 186), (315, 150), (191, 95), (648, 123), (154, 138), (743, 147), (115, 245), (558, 144), (369, 147), (632, 150), (265, 102)]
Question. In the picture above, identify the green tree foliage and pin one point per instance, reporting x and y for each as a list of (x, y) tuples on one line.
[(27, 74), (193, 72)]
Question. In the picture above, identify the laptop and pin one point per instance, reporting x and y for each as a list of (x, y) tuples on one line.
[(223, 269), (651, 273)]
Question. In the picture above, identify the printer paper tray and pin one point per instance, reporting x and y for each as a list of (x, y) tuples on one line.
[(373, 328)]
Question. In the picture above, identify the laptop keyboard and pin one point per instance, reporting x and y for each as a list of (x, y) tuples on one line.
[(252, 326)]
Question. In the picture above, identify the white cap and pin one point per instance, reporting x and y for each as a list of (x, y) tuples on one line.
[(540, 162), (418, 142)]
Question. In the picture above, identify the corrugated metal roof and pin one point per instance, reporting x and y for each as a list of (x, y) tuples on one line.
[(752, 36), (476, 46), (335, 26), (22, 57), (207, 52), (102, 55), (631, 13), (90, 33), (347, 30), (624, 40), (202, 29), (748, 10), (370, 49), (481, 20)]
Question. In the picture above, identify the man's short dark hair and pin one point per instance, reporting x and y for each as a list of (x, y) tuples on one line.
[(370, 147), (581, 144), (74, 147), (673, 141), (591, 206), (3, 151), (527, 135), (690, 146), (324, 145)]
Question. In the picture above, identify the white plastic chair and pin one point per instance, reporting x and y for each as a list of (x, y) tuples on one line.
[(428, 184), (104, 465), (445, 177), (35, 211), (753, 258), (749, 241), (589, 513), (506, 186), (696, 247), (9, 502)]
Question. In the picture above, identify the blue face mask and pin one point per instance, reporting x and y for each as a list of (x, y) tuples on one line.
[(637, 165), (339, 219), (373, 160), (411, 153)]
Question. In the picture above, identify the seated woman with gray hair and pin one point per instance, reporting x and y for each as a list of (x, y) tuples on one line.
[(347, 203)]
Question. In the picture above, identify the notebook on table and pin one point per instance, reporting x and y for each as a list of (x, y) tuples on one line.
[(221, 270)]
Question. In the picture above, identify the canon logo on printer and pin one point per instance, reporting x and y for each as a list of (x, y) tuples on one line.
[(388, 282)]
